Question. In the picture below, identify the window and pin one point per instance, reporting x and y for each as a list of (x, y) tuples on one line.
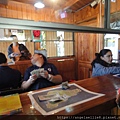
[(57, 43)]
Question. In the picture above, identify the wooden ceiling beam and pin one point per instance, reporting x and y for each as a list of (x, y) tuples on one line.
[(24, 1), (69, 4), (56, 5)]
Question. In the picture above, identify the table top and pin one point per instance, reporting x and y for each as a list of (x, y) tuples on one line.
[(103, 84)]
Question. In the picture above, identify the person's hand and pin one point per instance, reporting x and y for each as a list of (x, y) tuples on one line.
[(22, 51), (33, 78), (12, 54), (15, 54), (44, 74)]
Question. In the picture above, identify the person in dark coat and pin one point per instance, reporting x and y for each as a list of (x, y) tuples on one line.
[(9, 78), (18, 51), (41, 74)]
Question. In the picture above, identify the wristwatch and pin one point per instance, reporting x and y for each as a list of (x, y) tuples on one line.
[(50, 77)]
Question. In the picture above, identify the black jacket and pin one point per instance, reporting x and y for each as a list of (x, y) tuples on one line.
[(21, 48)]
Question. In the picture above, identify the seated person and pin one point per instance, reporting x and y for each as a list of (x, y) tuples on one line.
[(49, 76), (9, 78), (18, 51), (103, 65)]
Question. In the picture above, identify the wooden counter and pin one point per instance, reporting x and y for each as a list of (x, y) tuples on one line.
[(104, 84), (99, 106)]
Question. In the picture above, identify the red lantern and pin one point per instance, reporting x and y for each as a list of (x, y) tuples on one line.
[(36, 33)]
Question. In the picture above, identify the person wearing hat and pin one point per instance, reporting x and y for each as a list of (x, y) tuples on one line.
[(9, 78), (18, 51), (41, 74)]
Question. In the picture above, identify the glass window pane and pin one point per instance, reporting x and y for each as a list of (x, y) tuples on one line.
[(59, 48)]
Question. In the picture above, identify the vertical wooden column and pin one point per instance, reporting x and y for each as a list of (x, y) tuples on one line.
[(37, 45), (100, 39)]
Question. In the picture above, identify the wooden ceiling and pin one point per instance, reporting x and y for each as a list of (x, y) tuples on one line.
[(68, 5)]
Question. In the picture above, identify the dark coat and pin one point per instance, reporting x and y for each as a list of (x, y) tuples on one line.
[(21, 48)]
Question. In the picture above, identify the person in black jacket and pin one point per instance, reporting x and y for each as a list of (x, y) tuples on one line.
[(9, 78), (41, 74), (18, 51)]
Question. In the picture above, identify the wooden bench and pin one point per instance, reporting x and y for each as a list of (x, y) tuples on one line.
[(21, 65), (65, 66)]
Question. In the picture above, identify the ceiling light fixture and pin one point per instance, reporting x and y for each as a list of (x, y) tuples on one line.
[(39, 5)]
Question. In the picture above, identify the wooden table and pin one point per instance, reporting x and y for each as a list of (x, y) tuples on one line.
[(99, 106)]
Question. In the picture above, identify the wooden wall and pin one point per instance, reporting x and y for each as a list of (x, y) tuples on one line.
[(89, 13), (66, 67), (87, 44), (28, 12), (86, 47)]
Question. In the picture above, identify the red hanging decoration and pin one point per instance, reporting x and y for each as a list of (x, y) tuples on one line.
[(36, 33)]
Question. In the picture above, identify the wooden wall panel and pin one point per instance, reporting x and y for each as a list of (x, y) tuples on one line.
[(28, 35), (19, 11), (30, 46), (118, 5), (26, 11), (9, 14), (14, 9), (85, 14), (86, 45), (51, 46), (4, 49), (29, 12), (68, 45), (84, 70), (66, 67), (39, 14), (88, 12), (115, 6), (32, 13), (68, 48), (3, 11)]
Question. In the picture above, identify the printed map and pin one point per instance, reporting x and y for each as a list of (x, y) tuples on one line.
[(51, 101)]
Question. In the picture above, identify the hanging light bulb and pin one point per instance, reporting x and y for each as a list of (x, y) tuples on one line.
[(39, 5)]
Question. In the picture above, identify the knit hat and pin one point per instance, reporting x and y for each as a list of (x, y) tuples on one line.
[(42, 52)]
